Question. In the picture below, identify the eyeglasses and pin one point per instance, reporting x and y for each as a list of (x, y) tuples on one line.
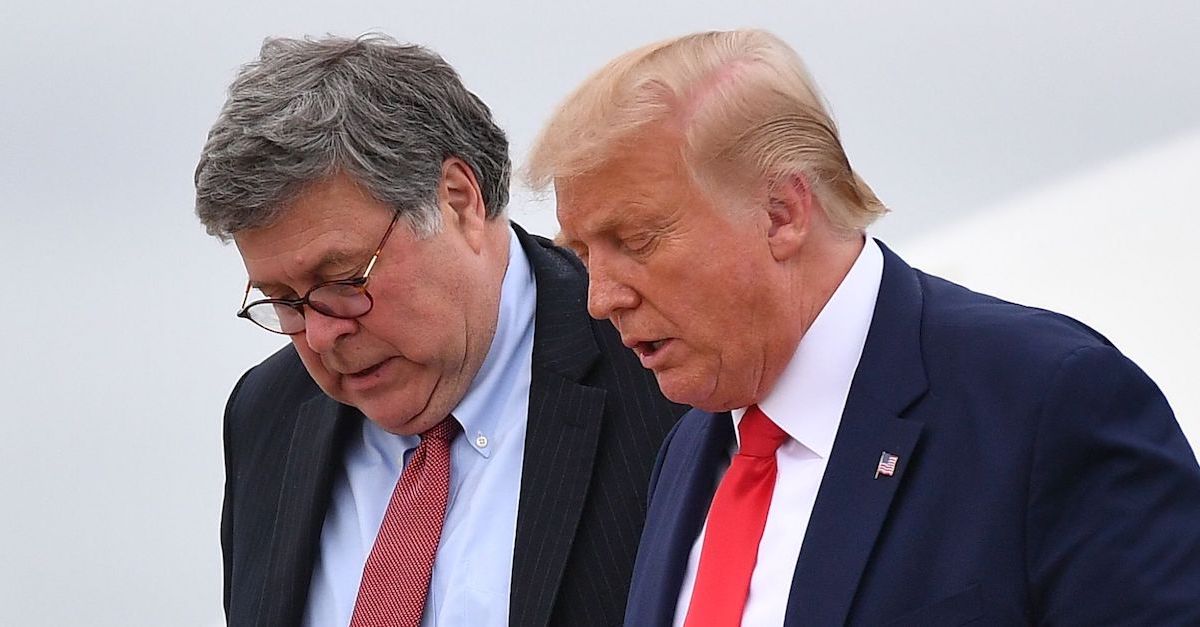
[(344, 298)]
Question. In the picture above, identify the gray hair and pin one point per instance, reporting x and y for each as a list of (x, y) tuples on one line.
[(385, 113)]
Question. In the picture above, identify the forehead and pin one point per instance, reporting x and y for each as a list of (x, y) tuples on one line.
[(328, 225), (636, 187)]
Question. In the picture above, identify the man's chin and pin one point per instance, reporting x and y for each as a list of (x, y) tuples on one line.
[(686, 388), (409, 426), (405, 419), (394, 420)]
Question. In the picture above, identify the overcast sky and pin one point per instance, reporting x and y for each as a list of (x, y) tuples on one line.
[(121, 342)]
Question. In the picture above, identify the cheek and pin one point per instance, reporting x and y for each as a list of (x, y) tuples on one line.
[(425, 329), (713, 306), (718, 318), (419, 318), (427, 334)]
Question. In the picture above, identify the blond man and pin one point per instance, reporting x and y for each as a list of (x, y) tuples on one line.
[(870, 444)]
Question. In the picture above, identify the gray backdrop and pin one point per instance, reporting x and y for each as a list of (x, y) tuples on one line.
[(117, 309)]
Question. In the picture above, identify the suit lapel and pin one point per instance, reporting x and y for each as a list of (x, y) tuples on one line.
[(688, 476), (563, 431), (304, 497), (852, 503)]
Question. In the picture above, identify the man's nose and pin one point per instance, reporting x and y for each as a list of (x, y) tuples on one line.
[(607, 292), (322, 332)]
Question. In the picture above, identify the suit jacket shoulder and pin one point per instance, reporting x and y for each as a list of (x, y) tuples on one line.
[(1088, 448), (1050, 475), (960, 327)]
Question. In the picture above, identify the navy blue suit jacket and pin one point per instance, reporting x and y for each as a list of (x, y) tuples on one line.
[(1042, 479)]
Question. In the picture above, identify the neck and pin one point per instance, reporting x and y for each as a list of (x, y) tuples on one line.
[(818, 276), (810, 282)]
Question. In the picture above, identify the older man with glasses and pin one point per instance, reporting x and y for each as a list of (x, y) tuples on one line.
[(449, 439)]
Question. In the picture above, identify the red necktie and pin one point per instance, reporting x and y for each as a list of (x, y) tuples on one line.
[(735, 525), (395, 579)]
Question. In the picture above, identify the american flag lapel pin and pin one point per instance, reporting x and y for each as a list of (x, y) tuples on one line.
[(887, 465)]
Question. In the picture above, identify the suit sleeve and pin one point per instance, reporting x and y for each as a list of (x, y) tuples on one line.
[(1113, 527)]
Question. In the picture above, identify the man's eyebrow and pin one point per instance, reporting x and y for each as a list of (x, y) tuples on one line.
[(609, 224), (338, 260), (640, 221), (333, 261)]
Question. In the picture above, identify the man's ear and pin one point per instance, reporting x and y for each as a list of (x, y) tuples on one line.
[(790, 206), (461, 201)]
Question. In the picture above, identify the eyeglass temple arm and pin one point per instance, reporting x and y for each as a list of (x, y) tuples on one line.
[(383, 240), (245, 297)]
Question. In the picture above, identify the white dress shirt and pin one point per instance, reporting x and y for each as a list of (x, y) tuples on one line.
[(807, 402), (472, 570)]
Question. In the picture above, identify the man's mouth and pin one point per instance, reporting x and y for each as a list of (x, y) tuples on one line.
[(368, 371), (647, 349)]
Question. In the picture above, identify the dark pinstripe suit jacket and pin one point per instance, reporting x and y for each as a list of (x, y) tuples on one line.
[(596, 419)]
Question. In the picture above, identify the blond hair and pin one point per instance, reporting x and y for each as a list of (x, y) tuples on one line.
[(742, 103)]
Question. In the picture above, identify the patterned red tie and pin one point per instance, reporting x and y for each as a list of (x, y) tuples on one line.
[(735, 525), (395, 579)]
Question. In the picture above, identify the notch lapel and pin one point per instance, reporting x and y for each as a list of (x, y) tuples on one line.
[(561, 437), (303, 500), (852, 504)]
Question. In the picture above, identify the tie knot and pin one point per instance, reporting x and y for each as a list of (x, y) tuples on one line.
[(444, 430), (760, 437)]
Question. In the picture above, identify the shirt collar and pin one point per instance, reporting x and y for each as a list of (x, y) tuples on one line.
[(517, 304), (808, 399)]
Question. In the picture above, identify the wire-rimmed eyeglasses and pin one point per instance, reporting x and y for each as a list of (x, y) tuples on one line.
[(343, 298)]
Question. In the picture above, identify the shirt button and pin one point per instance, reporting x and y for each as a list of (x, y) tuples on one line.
[(481, 441)]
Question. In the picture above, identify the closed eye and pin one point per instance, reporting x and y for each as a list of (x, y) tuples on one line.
[(641, 245)]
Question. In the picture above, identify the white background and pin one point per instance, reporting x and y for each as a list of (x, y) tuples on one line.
[(1046, 152)]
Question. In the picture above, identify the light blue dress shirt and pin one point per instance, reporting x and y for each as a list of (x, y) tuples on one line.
[(473, 567)]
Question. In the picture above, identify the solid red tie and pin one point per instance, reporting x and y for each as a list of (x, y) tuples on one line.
[(395, 580), (735, 525)]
